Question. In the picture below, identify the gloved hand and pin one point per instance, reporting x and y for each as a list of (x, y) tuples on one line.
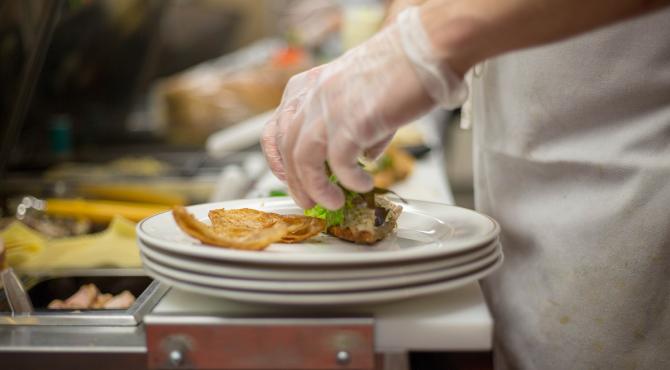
[(340, 110)]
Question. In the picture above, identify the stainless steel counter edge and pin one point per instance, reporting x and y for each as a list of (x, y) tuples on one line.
[(70, 339), (130, 317), (218, 319)]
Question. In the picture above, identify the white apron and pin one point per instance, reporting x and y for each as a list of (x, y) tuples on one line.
[(572, 157)]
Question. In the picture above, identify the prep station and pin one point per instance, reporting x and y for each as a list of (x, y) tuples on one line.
[(70, 163), (171, 328)]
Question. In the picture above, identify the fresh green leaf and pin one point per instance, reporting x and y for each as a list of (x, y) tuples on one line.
[(333, 218), (278, 193)]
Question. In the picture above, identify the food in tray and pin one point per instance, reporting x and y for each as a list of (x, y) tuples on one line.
[(120, 301), (89, 297), (247, 228)]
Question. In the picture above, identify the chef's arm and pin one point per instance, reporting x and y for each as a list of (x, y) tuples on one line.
[(469, 31)]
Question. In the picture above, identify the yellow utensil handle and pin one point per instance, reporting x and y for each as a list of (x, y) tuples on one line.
[(102, 210)]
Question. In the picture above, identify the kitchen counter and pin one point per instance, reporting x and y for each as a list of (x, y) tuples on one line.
[(456, 320)]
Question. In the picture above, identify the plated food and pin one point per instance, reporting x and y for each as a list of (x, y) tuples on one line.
[(365, 219), (437, 247), (247, 228)]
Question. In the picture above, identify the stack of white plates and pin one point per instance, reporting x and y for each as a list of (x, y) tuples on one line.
[(436, 247)]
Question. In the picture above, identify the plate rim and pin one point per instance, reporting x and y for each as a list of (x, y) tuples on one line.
[(246, 272), (353, 258), (334, 299), (283, 286)]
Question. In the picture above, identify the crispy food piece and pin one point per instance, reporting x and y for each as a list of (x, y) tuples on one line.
[(301, 228), (365, 225), (239, 231), (244, 218), (298, 227)]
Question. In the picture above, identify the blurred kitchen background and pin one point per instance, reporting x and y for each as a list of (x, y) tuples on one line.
[(113, 110), (118, 109), (127, 92)]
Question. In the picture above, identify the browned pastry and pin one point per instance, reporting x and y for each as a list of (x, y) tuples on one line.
[(299, 227), (230, 232), (247, 228)]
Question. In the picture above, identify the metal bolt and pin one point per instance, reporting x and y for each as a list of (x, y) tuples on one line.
[(176, 357), (342, 357)]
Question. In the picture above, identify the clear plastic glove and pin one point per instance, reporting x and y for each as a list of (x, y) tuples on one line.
[(352, 106)]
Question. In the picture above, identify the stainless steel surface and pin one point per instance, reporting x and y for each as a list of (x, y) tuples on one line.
[(176, 341), (120, 272), (18, 299), (213, 319), (132, 316), (72, 339), (72, 347)]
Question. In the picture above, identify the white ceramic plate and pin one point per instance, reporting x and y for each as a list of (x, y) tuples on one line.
[(329, 299), (219, 281), (425, 230), (302, 273)]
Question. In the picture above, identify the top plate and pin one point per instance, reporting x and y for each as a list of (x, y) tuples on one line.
[(425, 230)]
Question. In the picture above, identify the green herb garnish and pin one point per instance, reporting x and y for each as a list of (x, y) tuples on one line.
[(333, 218), (278, 193)]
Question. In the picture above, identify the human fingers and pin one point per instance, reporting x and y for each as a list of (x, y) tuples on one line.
[(377, 149), (310, 158), (291, 123), (273, 133), (343, 153), (269, 144)]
